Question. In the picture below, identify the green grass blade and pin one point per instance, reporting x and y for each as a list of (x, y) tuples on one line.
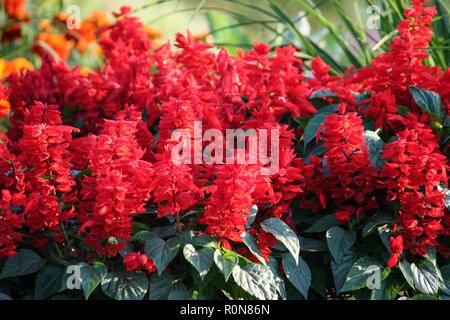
[(284, 19)]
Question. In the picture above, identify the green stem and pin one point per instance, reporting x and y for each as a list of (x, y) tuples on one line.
[(58, 250)]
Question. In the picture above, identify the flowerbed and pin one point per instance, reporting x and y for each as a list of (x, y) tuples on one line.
[(93, 205)]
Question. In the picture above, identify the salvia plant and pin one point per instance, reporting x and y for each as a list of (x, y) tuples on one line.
[(93, 204)]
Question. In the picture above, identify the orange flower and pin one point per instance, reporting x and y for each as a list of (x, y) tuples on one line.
[(57, 42), (83, 36), (15, 8), (5, 108), (8, 67), (85, 71), (99, 18), (152, 32), (62, 17), (45, 25)]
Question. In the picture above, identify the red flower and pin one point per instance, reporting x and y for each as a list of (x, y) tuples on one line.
[(138, 261), (396, 244)]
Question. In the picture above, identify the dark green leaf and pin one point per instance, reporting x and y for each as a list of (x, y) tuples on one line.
[(4, 296), (444, 283), (373, 224), (160, 286), (341, 270), (298, 274), (253, 213), (257, 280), (178, 292), (322, 94), (425, 277), (361, 273), (388, 290), (422, 297), (226, 262), (312, 245), (276, 271), (339, 242), (201, 259), (323, 224), (204, 241), (162, 252), (429, 101), (405, 268), (125, 285), (26, 262), (385, 232), (48, 281), (90, 276), (313, 126), (252, 246), (318, 280), (375, 144), (282, 233)]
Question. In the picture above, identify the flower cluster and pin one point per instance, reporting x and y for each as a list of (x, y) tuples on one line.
[(414, 171), (350, 180), (87, 154)]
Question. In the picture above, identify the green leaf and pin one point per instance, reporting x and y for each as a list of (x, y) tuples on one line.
[(139, 226), (339, 242), (429, 101), (405, 268), (322, 94), (384, 233), (446, 192), (431, 255), (204, 241), (298, 274), (282, 233), (312, 245), (226, 262), (273, 265), (125, 285), (201, 259), (323, 224), (91, 276), (388, 290), (160, 286), (313, 125), (4, 296), (257, 280), (178, 292), (143, 235), (319, 280), (374, 223), (444, 283), (26, 262), (341, 270), (48, 281), (252, 216), (422, 297), (425, 277), (375, 144), (162, 252), (252, 246), (361, 271)]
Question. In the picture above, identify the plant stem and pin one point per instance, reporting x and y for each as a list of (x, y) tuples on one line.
[(177, 217), (58, 250)]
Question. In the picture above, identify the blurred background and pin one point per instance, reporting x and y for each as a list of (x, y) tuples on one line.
[(342, 32)]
